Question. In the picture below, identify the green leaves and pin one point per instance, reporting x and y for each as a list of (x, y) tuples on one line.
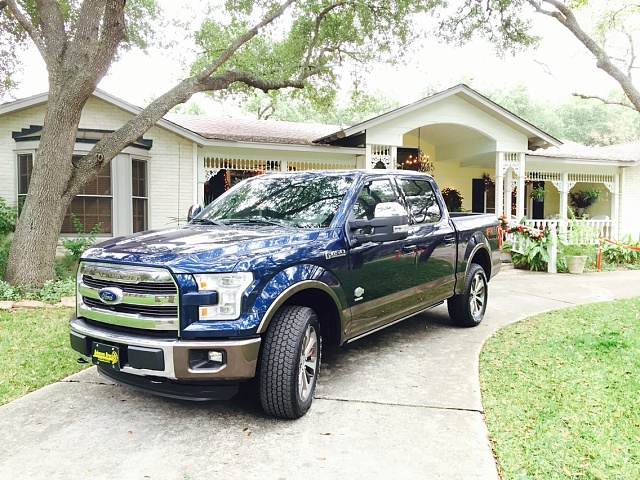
[(311, 39)]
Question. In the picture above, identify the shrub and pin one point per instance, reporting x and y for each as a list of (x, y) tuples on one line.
[(619, 255), (76, 246), (4, 255), (7, 218), (452, 199)]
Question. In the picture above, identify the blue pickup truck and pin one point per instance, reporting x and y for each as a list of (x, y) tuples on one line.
[(276, 269)]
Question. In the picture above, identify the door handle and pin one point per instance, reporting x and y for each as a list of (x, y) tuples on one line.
[(449, 239)]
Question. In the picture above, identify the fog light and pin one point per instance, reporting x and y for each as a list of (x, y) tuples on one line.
[(215, 356)]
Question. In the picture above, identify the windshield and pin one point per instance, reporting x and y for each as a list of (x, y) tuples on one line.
[(289, 200)]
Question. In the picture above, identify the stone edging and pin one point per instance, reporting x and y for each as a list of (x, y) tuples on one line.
[(32, 304)]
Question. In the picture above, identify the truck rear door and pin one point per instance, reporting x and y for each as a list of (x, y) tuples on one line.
[(434, 237)]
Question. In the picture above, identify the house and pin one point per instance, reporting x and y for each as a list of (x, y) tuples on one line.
[(490, 156)]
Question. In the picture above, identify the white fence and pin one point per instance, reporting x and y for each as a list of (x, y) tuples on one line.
[(575, 231)]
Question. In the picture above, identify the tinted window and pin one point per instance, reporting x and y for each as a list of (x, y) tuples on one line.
[(421, 200), (373, 193)]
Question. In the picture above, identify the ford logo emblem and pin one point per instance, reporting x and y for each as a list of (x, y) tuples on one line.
[(110, 295)]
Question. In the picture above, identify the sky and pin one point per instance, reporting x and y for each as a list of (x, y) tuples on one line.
[(558, 68)]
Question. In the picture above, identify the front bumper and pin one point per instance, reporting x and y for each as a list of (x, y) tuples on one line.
[(170, 358)]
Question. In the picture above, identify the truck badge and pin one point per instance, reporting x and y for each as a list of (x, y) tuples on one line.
[(111, 295), (335, 254)]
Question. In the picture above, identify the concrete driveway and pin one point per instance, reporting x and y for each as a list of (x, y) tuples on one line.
[(402, 403)]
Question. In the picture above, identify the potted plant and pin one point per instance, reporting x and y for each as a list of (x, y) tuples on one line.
[(582, 199), (575, 256), (538, 193), (452, 199)]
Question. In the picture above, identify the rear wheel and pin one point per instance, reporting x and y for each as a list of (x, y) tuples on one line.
[(290, 362), (467, 309)]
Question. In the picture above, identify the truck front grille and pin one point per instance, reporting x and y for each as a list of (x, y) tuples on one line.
[(128, 296)]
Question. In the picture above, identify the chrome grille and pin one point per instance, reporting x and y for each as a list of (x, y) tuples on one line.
[(145, 288), (147, 297), (142, 310)]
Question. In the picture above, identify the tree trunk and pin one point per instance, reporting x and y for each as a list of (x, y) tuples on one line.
[(32, 253)]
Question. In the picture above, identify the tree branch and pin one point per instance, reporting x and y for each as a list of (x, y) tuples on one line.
[(24, 21), (316, 29), (565, 16), (603, 100), (241, 40), (53, 31)]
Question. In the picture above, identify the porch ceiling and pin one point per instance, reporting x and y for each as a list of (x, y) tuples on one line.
[(441, 134), (459, 144)]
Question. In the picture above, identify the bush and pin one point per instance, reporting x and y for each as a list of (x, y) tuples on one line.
[(618, 255), (7, 218), (4, 255), (76, 246)]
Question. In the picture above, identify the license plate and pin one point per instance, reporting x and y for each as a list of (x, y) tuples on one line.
[(105, 355)]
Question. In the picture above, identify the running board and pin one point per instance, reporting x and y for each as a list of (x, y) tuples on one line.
[(393, 323)]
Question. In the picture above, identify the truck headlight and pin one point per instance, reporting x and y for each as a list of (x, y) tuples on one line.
[(230, 287)]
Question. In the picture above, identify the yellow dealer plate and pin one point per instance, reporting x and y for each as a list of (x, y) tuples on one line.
[(106, 356)]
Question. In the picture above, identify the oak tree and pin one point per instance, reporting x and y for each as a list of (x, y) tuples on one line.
[(613, 40), (245, 45)]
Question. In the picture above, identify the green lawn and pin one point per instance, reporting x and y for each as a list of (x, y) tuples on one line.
[(562, 393), (34, 350)]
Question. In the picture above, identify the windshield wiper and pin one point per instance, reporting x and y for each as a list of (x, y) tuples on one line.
[(204, 221), (256, 221)]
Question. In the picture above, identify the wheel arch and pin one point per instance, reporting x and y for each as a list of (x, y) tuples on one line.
[(321, 299), (481, 256)]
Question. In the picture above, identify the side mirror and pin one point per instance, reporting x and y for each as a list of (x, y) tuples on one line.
[(390, 223), (194, 210)]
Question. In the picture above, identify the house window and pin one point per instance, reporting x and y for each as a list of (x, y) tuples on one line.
[(25, 166), (139, 195), (93, 205)]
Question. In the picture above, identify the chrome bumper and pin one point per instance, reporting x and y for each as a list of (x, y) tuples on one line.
[(240, 356)]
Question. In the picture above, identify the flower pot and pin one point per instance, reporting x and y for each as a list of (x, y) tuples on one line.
[(575, 264)]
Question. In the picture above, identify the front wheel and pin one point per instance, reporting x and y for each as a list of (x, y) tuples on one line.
[(467, 309), (290, 362)]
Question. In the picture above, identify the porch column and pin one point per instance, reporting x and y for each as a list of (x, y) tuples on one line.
[(507, 196), (520, 191), (201, 179), (393, 161), (284, 166), (197, 188), (499, 184), (368, 156), (564, 196), (615, 206)]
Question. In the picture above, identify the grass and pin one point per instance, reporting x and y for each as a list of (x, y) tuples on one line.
[(561, 393), (34, 350)]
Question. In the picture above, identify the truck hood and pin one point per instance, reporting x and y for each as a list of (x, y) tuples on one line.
[(194, 248)]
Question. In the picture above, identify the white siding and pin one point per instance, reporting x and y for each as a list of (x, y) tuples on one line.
[(169, 168), (630, 202), (8, 165)]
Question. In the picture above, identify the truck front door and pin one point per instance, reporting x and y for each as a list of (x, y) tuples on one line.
[(382, 273)]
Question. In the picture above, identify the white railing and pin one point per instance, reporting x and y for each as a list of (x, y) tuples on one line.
[(575, 231)]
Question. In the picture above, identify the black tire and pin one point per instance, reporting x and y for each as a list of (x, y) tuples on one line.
[(287, 380), (467, 309)]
